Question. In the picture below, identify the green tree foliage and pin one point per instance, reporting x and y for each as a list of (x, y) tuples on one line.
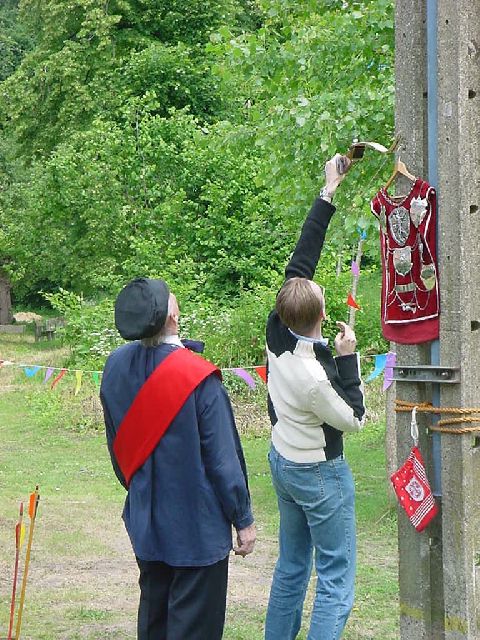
[(91, 57), (185, 139), (314, 77), (14, 39), (154, 196)]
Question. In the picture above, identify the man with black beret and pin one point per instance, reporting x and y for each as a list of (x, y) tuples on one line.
[(174, 446)]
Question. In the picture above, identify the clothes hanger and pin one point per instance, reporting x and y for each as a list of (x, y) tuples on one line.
[(356, 151), (400, 167)]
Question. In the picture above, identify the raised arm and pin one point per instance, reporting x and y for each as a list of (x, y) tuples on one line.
[(305, 257)]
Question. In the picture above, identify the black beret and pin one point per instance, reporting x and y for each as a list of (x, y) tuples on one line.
[(141, 308)]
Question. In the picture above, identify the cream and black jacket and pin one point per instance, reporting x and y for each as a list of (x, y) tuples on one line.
[(313, 397)]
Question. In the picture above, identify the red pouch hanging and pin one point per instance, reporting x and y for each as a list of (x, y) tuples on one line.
[(411, 485)]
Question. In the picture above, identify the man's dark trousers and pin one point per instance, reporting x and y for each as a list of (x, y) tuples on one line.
[(182, 603)]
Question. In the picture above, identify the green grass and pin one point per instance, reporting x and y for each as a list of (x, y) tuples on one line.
[(82, 582)]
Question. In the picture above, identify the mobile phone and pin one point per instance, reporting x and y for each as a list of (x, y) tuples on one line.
[(356, 151)]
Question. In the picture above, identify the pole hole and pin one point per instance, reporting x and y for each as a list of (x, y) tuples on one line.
[(474, 325), (473, 208), (476, 442), (471, 93)]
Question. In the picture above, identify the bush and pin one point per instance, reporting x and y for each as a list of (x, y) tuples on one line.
[(89, 331)]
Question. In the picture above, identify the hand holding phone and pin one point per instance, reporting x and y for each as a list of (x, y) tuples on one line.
[(345, 340)]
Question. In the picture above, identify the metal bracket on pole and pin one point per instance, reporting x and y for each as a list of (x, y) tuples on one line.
[(426, 373)]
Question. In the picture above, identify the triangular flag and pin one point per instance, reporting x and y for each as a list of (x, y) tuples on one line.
[(351, 302), (380, 361), (362, 233), (96, 378), (31, 371), (355, 269), (262, 372), (59, 377), (241, 373), (389, 364), (78, 376), (48, 374)]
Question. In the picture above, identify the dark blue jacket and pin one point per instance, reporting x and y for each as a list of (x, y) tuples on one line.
[(182, 503)]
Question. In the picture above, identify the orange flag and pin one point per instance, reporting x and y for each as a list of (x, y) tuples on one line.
[(59, 377), (351, 302), (262, 372)]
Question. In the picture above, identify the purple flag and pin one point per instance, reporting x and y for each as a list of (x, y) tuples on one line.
[(355, 269), (241, 373), (389, 364), (48, 374)]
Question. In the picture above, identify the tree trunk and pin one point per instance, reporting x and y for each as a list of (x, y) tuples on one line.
[(5, 300)]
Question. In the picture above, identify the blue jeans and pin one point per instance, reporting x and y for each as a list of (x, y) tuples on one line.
[(317, 511)]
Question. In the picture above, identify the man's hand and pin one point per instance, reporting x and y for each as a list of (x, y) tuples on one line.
[(332, 176), (345, 341), (245, 541)]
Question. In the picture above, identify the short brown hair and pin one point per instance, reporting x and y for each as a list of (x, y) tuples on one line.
[(298, 305)]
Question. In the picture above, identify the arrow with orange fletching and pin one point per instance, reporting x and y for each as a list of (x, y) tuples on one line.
[(32, 512)]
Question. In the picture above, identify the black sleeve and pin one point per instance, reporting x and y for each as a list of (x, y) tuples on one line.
[(348, 368), (307, 252), (110, 433)]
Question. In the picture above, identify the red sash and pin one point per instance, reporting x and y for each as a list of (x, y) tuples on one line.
[(155, 406)]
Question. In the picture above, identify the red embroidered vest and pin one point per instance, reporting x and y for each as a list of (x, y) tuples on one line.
[(410, 298)]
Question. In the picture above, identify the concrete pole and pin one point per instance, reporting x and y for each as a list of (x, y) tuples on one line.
[(459, 255), (418, 593), (438, 568)]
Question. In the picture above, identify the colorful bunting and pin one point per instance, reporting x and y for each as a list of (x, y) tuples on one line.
[(31, 371), (355, 269), (241, 373), (262, 372), (362, 233), (351, 302), (380, 361), (48, 374), (391, 359), (383, 362), (78, 376), (59, 377)]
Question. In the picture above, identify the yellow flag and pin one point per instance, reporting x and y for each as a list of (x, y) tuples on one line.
[(78, 375)]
